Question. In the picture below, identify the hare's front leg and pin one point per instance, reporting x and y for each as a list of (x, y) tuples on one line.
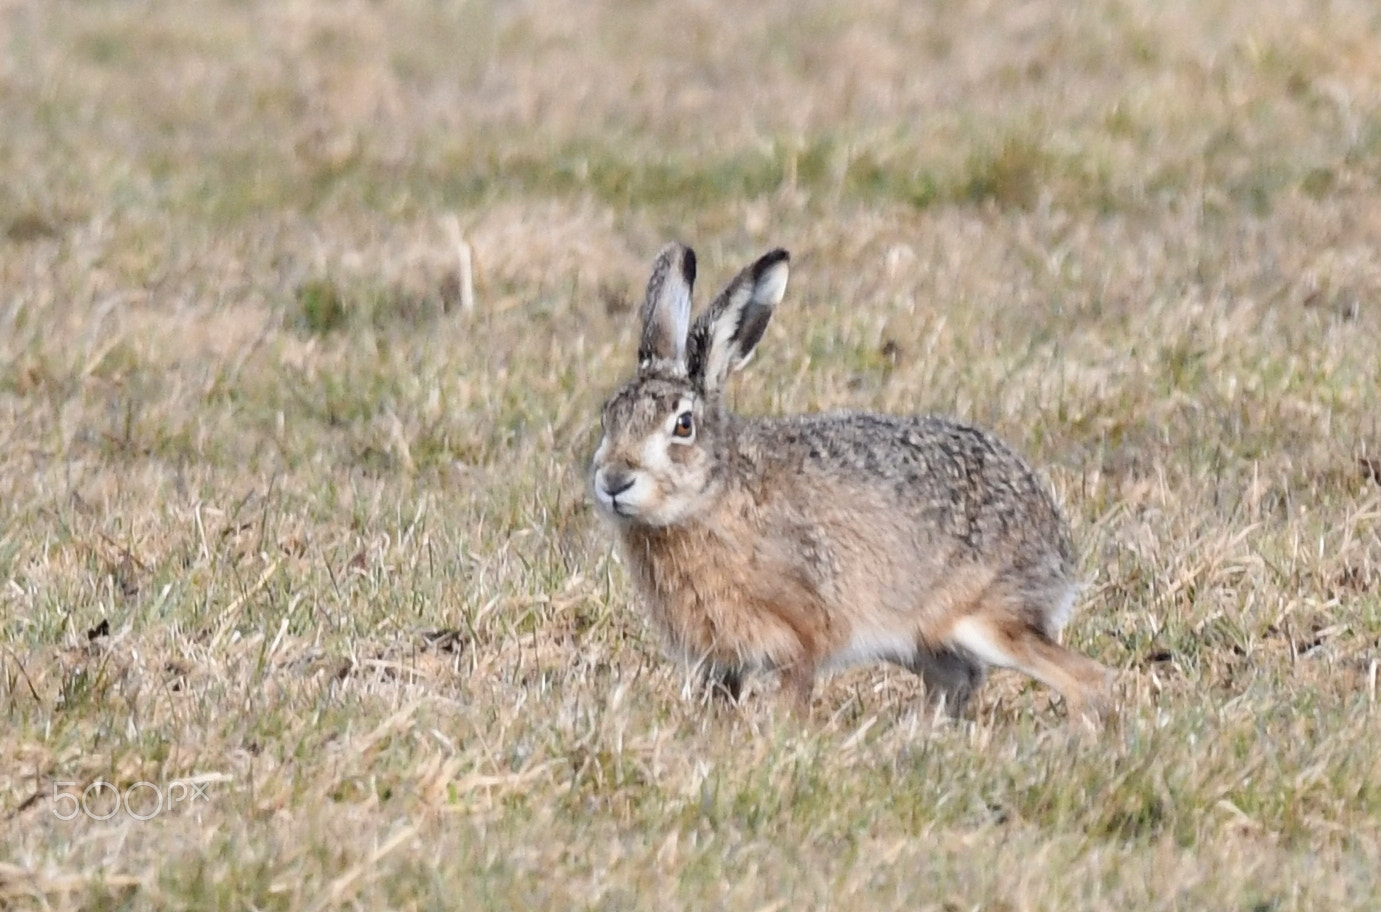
[(798, 683), (725, 683)]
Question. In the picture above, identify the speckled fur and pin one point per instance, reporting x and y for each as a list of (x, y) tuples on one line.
[(805, 543)]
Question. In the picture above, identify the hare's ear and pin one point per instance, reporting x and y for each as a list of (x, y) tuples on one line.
[(724, 336), (666, 311)]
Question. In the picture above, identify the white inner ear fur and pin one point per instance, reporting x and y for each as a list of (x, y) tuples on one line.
[(724, 355), (676, 299), (771, 287), (681, 322), (717, 360)]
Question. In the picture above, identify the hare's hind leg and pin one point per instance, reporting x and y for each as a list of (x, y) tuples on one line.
[(1005, 638), (950, 677)]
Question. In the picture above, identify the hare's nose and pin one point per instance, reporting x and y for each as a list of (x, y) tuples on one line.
[(616, 482)]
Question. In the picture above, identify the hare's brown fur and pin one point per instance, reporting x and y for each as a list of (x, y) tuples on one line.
[(804, 543)]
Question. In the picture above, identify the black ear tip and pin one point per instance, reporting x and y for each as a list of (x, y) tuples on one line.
[(688, 265), (769, 260)]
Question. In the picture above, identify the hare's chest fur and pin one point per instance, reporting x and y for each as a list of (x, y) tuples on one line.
[(719, 599)]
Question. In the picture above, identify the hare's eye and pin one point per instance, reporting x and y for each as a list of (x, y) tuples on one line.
[(685, 425)]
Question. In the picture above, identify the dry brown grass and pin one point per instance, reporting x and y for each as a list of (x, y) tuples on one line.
[(277, 518)]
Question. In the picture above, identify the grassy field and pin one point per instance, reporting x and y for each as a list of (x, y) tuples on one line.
[(297, 543)]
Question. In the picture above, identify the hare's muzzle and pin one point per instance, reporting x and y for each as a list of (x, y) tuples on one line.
[(616, 482), (609, 484)]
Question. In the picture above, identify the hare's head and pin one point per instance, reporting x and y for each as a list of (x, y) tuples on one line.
[(663, 453)]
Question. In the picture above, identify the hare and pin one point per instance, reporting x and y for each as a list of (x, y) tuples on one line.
[(807, 543)]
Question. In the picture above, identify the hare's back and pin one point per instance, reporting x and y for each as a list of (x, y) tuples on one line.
[(958, 480)]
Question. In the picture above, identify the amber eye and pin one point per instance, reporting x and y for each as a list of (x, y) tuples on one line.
[(685, 425)]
